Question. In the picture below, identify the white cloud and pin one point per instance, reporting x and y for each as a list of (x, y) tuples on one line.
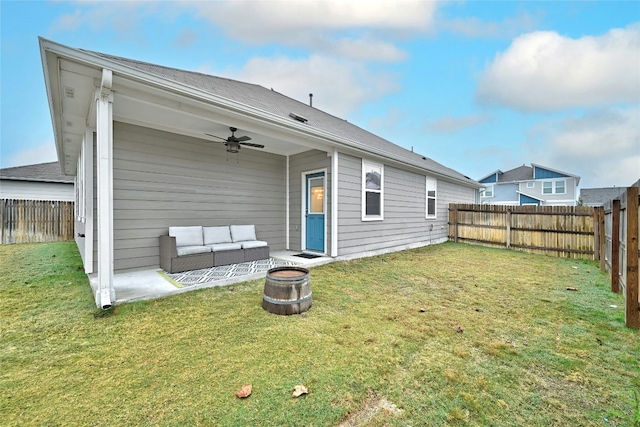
[(544, 71), (454, 124), (602, 147), (30, 156), (475, 27), (355, 29), (338, 86)]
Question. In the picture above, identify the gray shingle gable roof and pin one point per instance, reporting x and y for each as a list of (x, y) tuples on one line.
[(270, 101), (521, 173), (44, 172)]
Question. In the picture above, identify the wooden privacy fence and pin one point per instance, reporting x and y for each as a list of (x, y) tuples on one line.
[(618, 242), (564, 231), (30, 221)]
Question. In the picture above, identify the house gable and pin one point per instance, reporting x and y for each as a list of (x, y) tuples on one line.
[(491, 178), (542, 173)]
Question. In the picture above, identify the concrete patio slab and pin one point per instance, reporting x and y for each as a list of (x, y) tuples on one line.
[(155, 283)]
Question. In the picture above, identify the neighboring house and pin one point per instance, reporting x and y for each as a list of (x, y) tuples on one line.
[(43, 181), (599, 196), (137, 136), (530, 185)]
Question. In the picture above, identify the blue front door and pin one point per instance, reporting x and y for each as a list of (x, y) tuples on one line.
[(315, 212)]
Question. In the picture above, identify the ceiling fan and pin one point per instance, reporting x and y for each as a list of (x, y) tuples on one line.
[(233, 143)]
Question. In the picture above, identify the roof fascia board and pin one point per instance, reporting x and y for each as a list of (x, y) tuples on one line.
[(47, 68), (13, 178)]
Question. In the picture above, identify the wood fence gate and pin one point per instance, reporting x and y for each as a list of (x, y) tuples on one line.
[(31, 221)]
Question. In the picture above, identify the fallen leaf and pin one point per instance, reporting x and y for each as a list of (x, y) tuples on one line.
[(599, 341), (572, 289), (245, 391), (459, 330), (299, 390)]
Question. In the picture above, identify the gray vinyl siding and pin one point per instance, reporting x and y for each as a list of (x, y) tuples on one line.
[(304, 162), (570, 187), (162, 179), (404, 221), (36, 190), (504, 193)]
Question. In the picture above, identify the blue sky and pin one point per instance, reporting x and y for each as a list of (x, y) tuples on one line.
[(475, 85)]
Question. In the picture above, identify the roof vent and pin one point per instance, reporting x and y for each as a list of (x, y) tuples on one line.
[(298, 117)]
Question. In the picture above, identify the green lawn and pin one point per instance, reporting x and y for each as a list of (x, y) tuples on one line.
[(449, 334)]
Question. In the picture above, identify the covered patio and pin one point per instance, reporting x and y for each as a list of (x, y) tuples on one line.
[(138, 285)]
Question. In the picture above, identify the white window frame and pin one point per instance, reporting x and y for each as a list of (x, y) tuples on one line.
[(431, 183), (554, 186), (531, 184), (487, 189), (365, 217)]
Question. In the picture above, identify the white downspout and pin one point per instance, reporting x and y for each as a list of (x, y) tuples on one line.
[(334, 203), (105, 296)]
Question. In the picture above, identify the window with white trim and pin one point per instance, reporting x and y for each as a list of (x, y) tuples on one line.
[(554, 187), (432, 205), (487, 191), (372, 191), (531, 184)]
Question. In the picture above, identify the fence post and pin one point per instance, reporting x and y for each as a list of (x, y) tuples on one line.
[(455, 223), (615, 246), (632, 309), (508, 222), (596, 234)]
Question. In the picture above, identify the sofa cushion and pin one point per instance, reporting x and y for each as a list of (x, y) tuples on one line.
[(253, 244), (187, 236), (214, 235), (217, 247), (243, 233), (190, 250)]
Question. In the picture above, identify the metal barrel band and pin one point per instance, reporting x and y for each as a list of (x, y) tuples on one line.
[(286, 302)]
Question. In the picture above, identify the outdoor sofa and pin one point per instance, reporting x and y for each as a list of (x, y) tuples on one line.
[(197, 247)]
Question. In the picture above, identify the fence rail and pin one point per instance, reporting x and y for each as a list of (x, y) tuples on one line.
[(31, 221), (618, 241), (565, 231)]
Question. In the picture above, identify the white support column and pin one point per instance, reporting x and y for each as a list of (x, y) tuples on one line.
[(334, 203), (105, 295), (88, 199), (287, 208)]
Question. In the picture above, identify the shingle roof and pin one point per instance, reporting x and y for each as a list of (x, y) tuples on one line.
[(599, 196), (45, 172), (521, 173), (275, 103)]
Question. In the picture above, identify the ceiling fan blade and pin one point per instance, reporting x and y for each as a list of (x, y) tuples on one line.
[(251, 144), (215, 136), (243, 138)]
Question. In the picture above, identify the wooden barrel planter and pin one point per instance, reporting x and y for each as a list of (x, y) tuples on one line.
[(287, 290)]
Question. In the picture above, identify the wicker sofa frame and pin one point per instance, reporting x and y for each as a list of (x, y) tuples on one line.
[(171, 262)]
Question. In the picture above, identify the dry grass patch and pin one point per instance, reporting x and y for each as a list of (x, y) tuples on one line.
[(451, 334)]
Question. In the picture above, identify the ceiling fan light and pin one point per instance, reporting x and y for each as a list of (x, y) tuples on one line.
[(233, 147)]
